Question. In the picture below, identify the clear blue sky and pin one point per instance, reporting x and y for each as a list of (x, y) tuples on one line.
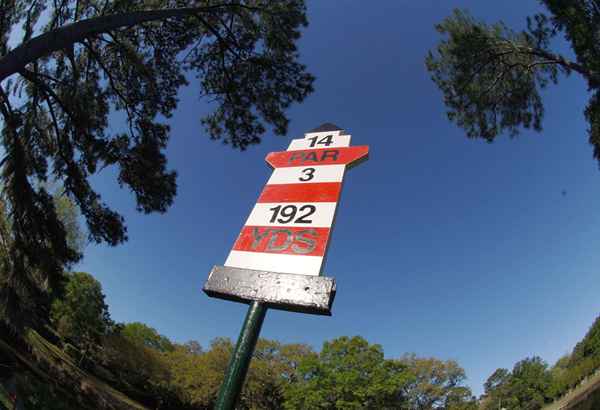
[(444, 246)]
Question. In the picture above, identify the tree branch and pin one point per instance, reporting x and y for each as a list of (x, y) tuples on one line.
[(596, 6), (65, 36), (551, 58), (560, 60), (216, 33), (114, 86), (32, 78)]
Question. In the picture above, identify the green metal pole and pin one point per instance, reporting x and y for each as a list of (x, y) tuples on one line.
[(240, 360)]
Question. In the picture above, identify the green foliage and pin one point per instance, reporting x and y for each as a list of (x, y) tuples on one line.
[(583, 361), (499, 378), (197, 378), (92, 58), (471, 404), (69, 216), (491, 76), (531, 381), (81, 315), (579, 21), (349, 373), (45, 377), (531, 384), (435, 384), (527, 387), (144, 335), (273, 368), (137, 370), (590, 344), (32, 288), (36, 395)]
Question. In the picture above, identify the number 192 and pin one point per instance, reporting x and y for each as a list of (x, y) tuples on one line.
[(286, 214)]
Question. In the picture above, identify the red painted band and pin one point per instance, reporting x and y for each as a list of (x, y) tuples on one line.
[(283, 240), (318, 192), (313, 157)]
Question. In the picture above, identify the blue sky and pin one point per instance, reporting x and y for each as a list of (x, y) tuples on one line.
[(443, 246)]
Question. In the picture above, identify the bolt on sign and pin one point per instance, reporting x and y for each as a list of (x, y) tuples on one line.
[(278, 255)]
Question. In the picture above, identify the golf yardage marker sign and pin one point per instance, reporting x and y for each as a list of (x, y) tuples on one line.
[(289, 227), (277, 257)]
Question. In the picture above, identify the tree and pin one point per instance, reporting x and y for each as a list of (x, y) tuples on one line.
[(349, 373), (137, 370), (590, 344), (68, 216), (497, 391), (499, 378), (197, 376), (527, 387), (144, 335), (491, 76), (530, 383), (584, 360), (435, 384), (81, 315), (92, 58), (271, 372)]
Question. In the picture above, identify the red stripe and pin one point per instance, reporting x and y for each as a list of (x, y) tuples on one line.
[(318, 192), (283, 240), (312, 157)]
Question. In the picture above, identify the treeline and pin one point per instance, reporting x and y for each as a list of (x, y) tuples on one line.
[(532, 383), (133, 358), (60, 350), (347, 373), (72, 355)]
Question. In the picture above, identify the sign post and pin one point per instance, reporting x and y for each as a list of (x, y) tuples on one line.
[(277, 258)]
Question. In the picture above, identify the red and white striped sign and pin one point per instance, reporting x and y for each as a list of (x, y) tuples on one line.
[(288, 228)]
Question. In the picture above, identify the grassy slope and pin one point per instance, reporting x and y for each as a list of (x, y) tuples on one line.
[(4, 400), (585, 397), (52, 365)]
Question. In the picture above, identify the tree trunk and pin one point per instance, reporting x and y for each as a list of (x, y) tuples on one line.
[(65, 36)]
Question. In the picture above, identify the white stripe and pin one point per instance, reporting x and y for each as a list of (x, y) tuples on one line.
[(273, 262), (262, 214), (292, 175), (338, 141)]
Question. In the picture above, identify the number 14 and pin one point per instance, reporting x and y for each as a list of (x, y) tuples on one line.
[(326, 140)]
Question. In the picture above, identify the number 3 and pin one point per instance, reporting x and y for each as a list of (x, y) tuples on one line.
[(309, 173)]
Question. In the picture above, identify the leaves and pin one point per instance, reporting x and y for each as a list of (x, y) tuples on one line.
[(491, 76), (143, 335), (94, 59), (526, 387), (81, 315), (436, 383), (349, 373)]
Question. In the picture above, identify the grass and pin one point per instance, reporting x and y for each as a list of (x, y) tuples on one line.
[(4, 400), (51, 365), (580, 398)]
